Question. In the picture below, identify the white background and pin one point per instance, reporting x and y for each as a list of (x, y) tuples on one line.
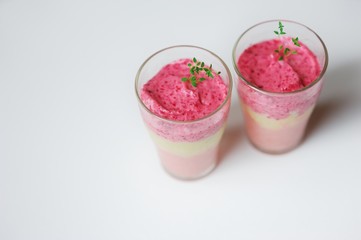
[(76, 161)]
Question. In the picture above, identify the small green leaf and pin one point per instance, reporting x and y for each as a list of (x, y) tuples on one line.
[(184, 79), (276, 32), (202, 65), (287, 50), (194, 60), (280, 26), (295, 42), (202, 79), (281, 58), (189, 64), (194, 81), (210, 67), (192, 70), (218, 73)]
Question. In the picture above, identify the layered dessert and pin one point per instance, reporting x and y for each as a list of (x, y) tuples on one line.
[(186, 120), (276, 96)]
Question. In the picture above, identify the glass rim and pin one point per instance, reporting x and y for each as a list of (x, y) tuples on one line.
[(235, 60), (229, 87)]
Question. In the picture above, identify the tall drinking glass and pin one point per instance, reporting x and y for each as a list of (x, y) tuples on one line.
[(187, 149), (275, 122)]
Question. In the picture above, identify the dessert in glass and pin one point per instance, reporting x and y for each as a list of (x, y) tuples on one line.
[(184, 96), (280, 66)]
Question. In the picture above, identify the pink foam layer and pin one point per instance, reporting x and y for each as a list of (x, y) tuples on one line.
[(166, 95), (191, 167), (260, 65)]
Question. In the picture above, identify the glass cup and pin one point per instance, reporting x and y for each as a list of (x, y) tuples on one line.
[(275, 122), (187, 149)]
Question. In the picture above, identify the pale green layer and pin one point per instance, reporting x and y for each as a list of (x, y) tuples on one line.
[(186, 149), (271, 123)]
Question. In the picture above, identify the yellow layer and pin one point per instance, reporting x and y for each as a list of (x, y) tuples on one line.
[(187, 148), (272, 123)]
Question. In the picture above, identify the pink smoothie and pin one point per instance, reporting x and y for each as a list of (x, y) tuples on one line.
[(185, 126), (266, 114)]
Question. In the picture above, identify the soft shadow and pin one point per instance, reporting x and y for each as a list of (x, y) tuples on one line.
[(233, 135), (339, 93), (231, 140)]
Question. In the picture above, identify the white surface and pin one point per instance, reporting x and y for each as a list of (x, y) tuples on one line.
[(76, 161)]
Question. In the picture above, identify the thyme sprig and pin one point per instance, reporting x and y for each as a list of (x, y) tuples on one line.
[(285, 51), (195, 68)]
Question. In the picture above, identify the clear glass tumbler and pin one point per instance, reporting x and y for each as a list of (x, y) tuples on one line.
[(275, 122), (187, 149)]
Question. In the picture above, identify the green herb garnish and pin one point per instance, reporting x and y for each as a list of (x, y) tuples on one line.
[(281, 32), (295, 42), (195, 68), (284, 52)]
